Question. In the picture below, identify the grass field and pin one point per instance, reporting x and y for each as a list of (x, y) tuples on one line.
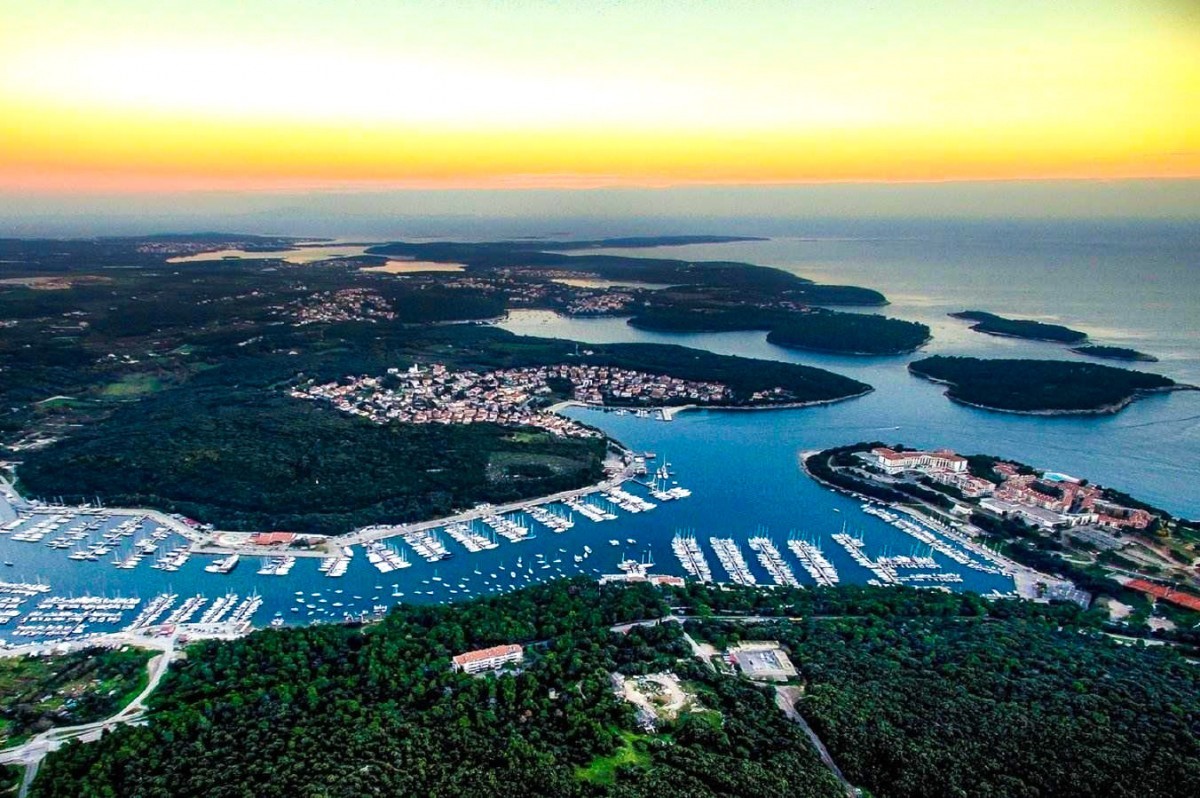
[(603, 769), (132, 385), (38, 693)]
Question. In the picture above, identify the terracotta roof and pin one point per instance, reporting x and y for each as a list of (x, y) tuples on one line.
[(272, 538), (1166, 593), (487, 653)]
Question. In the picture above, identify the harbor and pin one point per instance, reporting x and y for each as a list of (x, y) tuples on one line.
[(642, 512)]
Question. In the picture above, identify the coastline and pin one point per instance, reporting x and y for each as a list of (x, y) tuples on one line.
[(819, 350), (670, 411), (1079, 342), (1103, 410)]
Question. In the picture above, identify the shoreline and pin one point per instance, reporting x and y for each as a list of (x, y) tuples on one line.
[(1022, 575), (673, 410), (820, 351), (1103, 410)]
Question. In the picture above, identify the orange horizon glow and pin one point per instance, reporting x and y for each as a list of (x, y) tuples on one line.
[(160, 96)]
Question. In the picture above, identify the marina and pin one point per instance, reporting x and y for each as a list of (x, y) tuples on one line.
[(813, 560), (691, 557), (731, 559), (484, 551), (772, 561)]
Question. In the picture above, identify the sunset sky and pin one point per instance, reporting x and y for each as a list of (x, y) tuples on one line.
[(153, 95)]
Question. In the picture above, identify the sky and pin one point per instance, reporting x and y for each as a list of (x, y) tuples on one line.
[(160, 97)]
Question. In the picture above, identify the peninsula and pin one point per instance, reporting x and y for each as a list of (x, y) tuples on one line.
[(135, 374), (1043, 387), (1100, 540), (447, 417)]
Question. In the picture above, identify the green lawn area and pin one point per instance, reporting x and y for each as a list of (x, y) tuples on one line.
[(523, 436), (603, 769), (37, 693), (132, 385)]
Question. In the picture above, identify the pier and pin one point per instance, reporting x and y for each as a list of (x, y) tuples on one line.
[(731, 559), (772, 561)]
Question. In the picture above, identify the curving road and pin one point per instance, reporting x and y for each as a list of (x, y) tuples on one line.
[(31, 753)]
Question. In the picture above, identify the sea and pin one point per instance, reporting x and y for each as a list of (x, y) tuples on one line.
[(1134, 284)]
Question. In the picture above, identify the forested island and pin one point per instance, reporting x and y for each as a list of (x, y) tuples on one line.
[(1045, 387), (1114, 353), (992, 324), (914, 693), (849, 333), (694, 309)]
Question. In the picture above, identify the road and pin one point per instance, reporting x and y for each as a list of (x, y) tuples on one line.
[(785, 696), (31, 753), (382, 532), (785, 699), (10, 501)]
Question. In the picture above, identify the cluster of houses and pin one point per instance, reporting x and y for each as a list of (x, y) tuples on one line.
[(599, 303), (1074, 501), (348, 304), (437, 395), (1049, 501), (440, 396), (600, 385)]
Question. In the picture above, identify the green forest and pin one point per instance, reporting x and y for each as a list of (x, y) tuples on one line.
[(272, 462), (992, 324), (914, 693), (1114, 353), (853, 333), (229, 447), (1032, 386)]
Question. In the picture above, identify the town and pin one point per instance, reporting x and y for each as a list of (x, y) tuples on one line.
[(436, 395)]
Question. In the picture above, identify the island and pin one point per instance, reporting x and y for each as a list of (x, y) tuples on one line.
[(992, 324), (1114, 353), (1040, 387), (788, 322), (574, 689), (849, 333), (1080, 541)]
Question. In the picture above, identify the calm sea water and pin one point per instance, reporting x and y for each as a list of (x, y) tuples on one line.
[(1127, 285)]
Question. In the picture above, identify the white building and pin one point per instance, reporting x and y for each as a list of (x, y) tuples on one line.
[(486, 659), (894, 462)]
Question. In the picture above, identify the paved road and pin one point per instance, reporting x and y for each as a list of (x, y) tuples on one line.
[(785, 696), (381, 532), (785, 699), (10, 501), (34, 751)]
